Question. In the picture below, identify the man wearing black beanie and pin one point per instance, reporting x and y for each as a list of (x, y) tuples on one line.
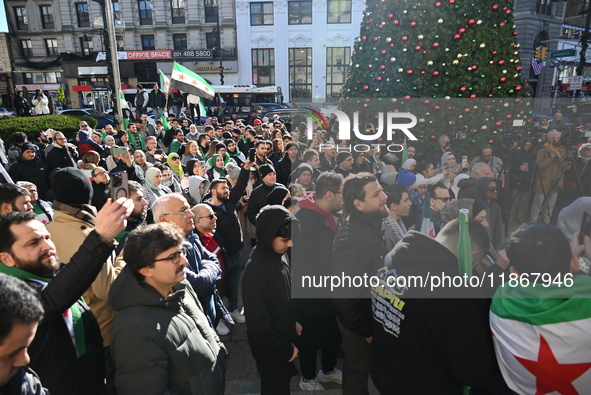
[(74, 220), (258, 197), (344, 163)]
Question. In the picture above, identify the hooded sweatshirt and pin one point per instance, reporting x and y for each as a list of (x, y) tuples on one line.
[(266, 291), (494, 215), (163, 344), (445, 337)]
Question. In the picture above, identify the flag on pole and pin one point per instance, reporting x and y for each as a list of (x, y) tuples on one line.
[(464, 247), (165, 124), (541, 336), (187, 81), (123, 101), (164, 83), (202, 109), (537, 65), (404, 152), (427, 226)]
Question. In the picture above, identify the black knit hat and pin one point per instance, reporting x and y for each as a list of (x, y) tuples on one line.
[(71, 186), (341, 156), (27, 146), (265, 170)]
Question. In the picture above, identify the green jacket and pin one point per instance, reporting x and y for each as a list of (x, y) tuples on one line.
[(163, 345)]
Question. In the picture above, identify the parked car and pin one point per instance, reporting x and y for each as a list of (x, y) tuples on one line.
[(102, 118), (266, 107), (7, 113)]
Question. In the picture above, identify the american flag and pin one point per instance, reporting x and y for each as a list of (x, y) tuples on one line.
[(537, 65)]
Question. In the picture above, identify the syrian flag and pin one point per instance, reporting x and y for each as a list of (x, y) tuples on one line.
[(542, 337), (123, 101), (427, 226), (164, 122), (164, 83), (185, 80)]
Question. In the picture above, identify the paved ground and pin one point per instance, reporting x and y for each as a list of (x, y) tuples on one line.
[(241, 372)]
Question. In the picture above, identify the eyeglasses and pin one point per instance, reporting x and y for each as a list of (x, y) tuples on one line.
[(210, 216), (100, 173), (175, 258), (174, 158), (83, 126), (492, 189), (443, 199), (185, 213)]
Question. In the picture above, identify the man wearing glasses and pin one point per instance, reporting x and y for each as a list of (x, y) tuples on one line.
[(162, 341), (440, 198), (61, 154), (203, 269)]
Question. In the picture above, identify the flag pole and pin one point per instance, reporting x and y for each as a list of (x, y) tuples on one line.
[(110, 24)]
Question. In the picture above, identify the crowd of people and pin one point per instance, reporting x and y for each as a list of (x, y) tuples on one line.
[(131, 295)]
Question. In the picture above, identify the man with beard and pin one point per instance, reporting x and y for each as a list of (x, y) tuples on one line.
[(30, 167), (223, 203), (67, 352), (41, 140), (61, 154), (399, 205), (258, 197), (14, 198), (358, 251), (42, 208), (74, 219)]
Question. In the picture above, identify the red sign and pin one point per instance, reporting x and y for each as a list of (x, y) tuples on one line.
[(3, 77), (137, 55)]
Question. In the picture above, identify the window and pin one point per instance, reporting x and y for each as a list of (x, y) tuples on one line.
[(117, 11), (120, 43), (178, 11), (27, 78), (51, 47), (21, 18), (263, 67), (46, 12), (83, 15), (339, 11), (38, 78), (337, 65), (261, 14), (179, 41), (148, 42), (300, 12), (212, 41), (145, 7), (26, 48), (211, 11), (86, 45), (300, 72), (544, 7)]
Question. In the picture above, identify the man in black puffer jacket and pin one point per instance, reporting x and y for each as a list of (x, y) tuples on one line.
[(258, 197), (224, 203)]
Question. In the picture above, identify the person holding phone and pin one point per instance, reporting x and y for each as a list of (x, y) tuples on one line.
[(41, 103)]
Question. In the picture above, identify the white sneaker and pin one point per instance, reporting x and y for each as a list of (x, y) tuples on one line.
[(222, 329), (336, 376), (237, 317), (311, 385)]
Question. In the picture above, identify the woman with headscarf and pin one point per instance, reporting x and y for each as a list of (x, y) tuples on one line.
[(410, 164), (174, 162), (234, 153), (448, 162), (220, 150), (217, 169), (153, 187)]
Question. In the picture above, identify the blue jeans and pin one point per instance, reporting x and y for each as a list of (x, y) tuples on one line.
[(139, 111), (176, 110), (234, 267)]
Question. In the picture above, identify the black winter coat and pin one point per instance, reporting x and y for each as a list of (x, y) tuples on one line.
[(358, 250), (60, 157), (258, 200), (445, 337), (284, 168), (228, 226), (34, 171), (266, 292)]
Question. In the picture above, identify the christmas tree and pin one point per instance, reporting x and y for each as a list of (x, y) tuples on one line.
[(454, 64)]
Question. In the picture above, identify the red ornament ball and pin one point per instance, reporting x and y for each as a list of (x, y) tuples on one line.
[(379, 78), (406, 97), (471, 21), (466, 109), (383, 51), (501, 61), (494, 52), (427, 101), (409, 72), (365, 87), (363, 38), (518, 88), (457, 37), (437, 108), (502, 24), (413, 24), (508, 116), (435, 73), (462, 30), (495, 7), (438, 4), (463, 89), (435, 45), (404, 38), (418, 48), (503, 79), (383, 67), (395, 21), (473, 96), (376, 38), (519, 68)]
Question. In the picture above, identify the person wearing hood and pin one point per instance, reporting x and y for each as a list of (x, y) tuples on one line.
[(41, 103), (487, 189), (549, 161), (278, 196), (162, 340), (225, 202), (61, 153), (447, 327), (302, 175), (410, 164), (360, 164), (153, 187), (258, 197), (31, 168), (271, 326), (312, 255), (74, 219), (344, 163)]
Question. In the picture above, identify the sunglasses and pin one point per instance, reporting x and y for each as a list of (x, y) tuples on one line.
[(443, 199), (491, 189), (174, 158)]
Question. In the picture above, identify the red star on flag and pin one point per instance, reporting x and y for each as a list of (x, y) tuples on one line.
[(194, 82), (181, 77), (552, 376), (167, 83)]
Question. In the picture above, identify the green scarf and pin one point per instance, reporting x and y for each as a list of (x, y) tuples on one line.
[(220, 170), (77, 323)]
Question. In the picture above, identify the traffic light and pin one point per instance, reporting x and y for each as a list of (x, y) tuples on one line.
[(538, 54), (544, 53)]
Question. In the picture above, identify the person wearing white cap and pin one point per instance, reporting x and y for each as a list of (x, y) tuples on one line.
[(549, 160)]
